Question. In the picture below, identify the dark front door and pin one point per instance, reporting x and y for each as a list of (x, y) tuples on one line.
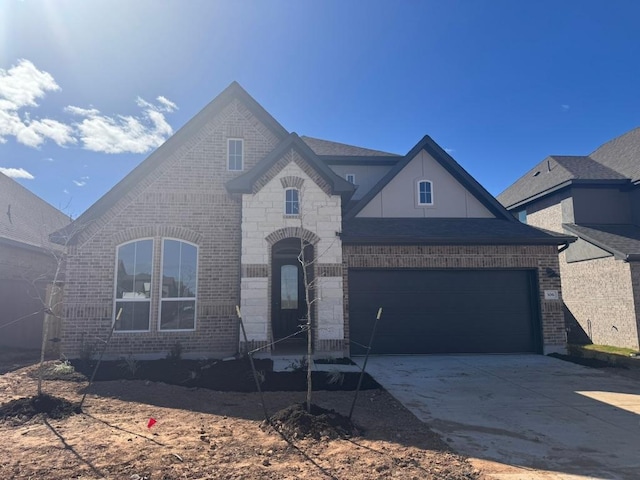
[(289, 308)]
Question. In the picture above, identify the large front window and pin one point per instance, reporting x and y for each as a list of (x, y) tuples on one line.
[(179, 278), (133, 285)]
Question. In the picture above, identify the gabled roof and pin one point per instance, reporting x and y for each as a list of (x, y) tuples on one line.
[(623, 240), (447, 231), (245, 182), (615, 162), (25, 219), (449, 164), (107, 201), (325, 147), (556, 172)]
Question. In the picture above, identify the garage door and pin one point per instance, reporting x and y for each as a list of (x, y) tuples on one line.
[(444, 311)]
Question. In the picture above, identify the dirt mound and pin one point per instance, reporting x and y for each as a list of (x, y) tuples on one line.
[(23, 409), (295, 422)]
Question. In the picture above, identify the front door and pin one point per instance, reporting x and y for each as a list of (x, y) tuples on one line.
[(289, 309), (288, 305)]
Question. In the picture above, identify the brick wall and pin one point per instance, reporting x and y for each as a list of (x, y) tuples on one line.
[(184, 198), (599, 293), (537, 258)]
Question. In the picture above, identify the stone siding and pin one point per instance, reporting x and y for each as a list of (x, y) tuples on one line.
[(264, 224)]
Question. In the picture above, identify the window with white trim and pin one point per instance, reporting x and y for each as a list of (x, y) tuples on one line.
[(291, 201), (235, 154), (134, 266), (179, 285), (351, 178), (425, 192)]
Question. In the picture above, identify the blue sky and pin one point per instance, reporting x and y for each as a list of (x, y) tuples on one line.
[(89, 88)]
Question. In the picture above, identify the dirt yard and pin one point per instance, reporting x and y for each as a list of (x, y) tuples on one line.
[(205, 434)]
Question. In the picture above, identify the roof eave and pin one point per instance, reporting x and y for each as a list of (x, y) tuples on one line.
[(563, 185)]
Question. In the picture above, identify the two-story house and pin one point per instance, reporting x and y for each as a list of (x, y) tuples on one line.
[(216, 218), (596, 198)]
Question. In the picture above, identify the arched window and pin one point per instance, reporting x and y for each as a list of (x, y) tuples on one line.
[(425, 192), (291, 201), (134, 266), (179, 285)]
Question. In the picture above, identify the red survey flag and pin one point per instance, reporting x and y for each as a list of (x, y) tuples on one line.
[(152, 422)]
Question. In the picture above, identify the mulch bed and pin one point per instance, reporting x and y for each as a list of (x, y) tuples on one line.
[(226, 376)]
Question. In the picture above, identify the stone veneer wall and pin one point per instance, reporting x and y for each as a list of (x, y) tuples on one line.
[(538, 258), (264, 224), (183, 198), (598, 293)]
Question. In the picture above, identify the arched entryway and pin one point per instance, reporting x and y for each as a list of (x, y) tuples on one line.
[(288, 305)]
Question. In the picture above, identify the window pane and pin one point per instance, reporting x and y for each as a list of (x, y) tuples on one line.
[(235, 154), (425, 192), (134, 270), (291, 203), (178, 315), (179, 269), (288, 287), (134, 316)]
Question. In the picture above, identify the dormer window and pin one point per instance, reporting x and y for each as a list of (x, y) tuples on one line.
[(291, 201), (235, 154), (351, 178), (425, 192)]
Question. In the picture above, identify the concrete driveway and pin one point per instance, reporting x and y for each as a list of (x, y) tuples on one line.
[(522, 416)]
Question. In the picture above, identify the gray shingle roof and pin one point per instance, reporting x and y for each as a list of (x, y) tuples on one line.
[(26, 219), (447, 231), (325, 147), (621, 240), (615, 161), (621, 154), (552, 172)]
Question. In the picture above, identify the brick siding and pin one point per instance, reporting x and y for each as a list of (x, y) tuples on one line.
[(183, 198), (602, 294)]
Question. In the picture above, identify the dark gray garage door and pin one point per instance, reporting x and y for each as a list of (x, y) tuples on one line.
[(444, 311)]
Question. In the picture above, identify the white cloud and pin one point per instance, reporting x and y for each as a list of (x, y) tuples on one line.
[(20, 87), (17, 173), (23, 85), (124, 134), (565, 107), (82, 182), (168, 104), (449, 150)]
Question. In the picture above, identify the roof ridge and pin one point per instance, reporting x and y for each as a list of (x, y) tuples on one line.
[(373, 152)]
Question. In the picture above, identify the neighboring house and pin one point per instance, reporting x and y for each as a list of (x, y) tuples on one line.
[(596, 198), (28, 262), (214, 218)]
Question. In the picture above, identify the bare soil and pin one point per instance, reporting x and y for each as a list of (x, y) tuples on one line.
[(208, 434)]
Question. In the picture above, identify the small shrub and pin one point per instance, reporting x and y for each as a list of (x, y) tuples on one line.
[(130, 364), (63, 368), (298, 365), (335, 377), (175, 353)]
